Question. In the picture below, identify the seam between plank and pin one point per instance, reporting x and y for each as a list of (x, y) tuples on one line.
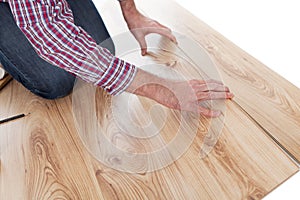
[(297, 162)]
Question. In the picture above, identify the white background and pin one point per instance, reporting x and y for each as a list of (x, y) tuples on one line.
[(269, 30)]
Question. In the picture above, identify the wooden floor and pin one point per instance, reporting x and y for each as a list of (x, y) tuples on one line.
[(252, 148)]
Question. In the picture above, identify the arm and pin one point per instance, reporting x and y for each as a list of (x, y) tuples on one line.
[(179, 95), (140, 26), (51, 31), (184, 95), (57, 40)]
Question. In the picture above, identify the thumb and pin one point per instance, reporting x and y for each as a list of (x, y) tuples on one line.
[(143, 45)]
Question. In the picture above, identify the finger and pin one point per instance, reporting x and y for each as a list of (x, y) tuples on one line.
[(161, 25), (208, 81), (209, 113), (164, 31), (214, 81), (204, 96), (211, 87), (142, 41), (205, 82)]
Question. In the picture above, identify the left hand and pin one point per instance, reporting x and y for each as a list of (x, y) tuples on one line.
[(140, 25)]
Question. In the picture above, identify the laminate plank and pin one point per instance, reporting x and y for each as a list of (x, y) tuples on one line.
[(51, 153), (238, 152), (271, 100), (240, 166), (41, 155)]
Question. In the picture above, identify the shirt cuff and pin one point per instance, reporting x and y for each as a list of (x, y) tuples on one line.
[(117, 77)]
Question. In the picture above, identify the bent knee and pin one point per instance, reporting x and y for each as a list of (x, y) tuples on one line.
[(54, 90)]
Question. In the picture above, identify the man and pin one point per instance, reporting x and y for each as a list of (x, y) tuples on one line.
[(44, 44)]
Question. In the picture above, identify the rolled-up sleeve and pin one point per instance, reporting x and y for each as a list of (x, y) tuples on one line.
[(49, 27)]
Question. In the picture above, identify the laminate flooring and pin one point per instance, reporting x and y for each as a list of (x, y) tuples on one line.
[(55, 151)]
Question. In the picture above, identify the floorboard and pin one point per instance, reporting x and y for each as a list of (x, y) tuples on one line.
[(271, 100), (52, 153), (43, 157)]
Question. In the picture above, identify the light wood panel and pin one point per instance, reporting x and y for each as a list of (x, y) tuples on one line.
[(271, 100), (42, 156), (191, 176)]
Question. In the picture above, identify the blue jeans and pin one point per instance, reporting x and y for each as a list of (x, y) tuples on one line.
[(21, 61)]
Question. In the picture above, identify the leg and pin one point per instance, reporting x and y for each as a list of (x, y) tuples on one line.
[(21, 61)]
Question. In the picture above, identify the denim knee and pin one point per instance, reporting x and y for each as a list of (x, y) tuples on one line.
[(55, 89)]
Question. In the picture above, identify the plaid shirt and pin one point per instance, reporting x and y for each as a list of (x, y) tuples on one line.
[(49, 27)]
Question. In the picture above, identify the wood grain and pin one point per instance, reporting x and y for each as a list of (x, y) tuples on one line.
[(271, 100), (43, 157), (191, 176)]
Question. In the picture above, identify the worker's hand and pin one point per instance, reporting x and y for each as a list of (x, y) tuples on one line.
[(140, 26), (179, 95), (187, 95)]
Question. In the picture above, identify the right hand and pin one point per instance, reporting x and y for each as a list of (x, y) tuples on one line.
[(186, 95), (179, 95)]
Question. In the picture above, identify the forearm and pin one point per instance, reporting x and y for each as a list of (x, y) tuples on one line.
[(179, 95), (128, 8), (147, 84), (56, 38)]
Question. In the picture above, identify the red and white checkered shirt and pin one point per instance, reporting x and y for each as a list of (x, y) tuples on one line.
[(49, 27)]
